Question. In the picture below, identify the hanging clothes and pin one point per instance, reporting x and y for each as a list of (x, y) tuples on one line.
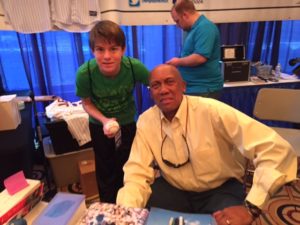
[(27, 16), (75, 15)]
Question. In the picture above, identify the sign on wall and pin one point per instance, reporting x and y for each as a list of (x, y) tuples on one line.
[(157, 12)]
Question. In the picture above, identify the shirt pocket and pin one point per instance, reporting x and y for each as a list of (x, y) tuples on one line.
[(206, 164)]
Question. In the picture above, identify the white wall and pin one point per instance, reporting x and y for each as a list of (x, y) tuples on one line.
[(157, 12)]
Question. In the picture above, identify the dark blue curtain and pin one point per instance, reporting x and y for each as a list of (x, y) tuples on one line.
[(264, 42), (274, 42), (1, 83), (289, 44), (234, 33), (50, 59)]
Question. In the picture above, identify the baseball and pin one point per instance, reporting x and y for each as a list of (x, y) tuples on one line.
[(112, 127)]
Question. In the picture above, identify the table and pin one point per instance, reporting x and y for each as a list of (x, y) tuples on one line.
[(33, 214), (242, 95), (254, 81)]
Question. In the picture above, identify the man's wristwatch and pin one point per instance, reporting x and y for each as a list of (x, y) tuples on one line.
[(252, 209)]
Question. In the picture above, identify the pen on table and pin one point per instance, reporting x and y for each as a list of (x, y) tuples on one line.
[(181, 221), (176, 221), (262, 78), (171, 221)]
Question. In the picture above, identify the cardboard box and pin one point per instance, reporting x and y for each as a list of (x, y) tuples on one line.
[(9, 113), (88, 178)]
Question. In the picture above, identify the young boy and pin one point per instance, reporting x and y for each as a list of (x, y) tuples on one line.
[(105, 85)]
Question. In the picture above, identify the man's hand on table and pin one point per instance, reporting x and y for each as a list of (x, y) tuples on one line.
[(234, 215)]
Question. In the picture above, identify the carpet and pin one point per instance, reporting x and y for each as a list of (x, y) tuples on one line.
[(50, 190), (283, 208)]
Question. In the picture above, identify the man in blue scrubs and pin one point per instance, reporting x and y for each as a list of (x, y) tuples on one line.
[(199, 62)]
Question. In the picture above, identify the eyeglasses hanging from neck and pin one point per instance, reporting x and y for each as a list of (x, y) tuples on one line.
[(168, 162)]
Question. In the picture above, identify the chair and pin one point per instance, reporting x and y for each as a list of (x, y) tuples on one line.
[(278, 104)]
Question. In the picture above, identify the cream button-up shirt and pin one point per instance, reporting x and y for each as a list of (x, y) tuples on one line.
[(218, 139)]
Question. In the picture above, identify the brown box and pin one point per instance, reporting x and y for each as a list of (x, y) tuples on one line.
[(9, 113), (88, 178)]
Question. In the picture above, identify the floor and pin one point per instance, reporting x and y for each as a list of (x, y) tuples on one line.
[(50, 189)]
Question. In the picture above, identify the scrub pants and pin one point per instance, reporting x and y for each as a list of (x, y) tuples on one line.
[(109, 161), (166, 196)]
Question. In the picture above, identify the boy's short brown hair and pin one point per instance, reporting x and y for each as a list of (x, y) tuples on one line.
[(109, 31)]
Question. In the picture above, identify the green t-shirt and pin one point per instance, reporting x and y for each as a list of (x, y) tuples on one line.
[(113, 97)]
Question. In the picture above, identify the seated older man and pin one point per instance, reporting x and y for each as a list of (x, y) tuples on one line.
[(200, 146)]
